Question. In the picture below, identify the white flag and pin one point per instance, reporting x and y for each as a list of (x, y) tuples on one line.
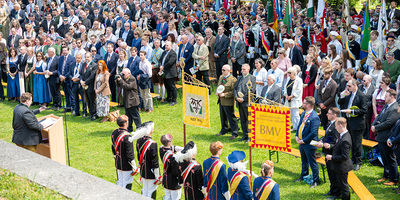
[(382, 23), (320, 10)]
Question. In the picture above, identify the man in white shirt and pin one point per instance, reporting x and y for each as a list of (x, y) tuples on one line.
[(277, 72)]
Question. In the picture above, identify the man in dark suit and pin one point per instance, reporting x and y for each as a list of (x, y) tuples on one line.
[(226, 103), (295, 54), (241, 94), (306, 132), (27, 130), (354, 105), (238, 53), (271, 91), (33, 21), (168, 61), (47, 23), (64, 28), (368, 89), (65, 63), (221, 50), (17, 13), (88, 74), (85, 21), (328, 142), (96, 57), (133, 62), (326, 95), (393, 13), (341, 158), (127, 34), (348, 75), (22, 59), (54, 80), (394, 142), (13, 39), (77, 88), (185, 52), (131, 98), (111, 59), (382, 126)]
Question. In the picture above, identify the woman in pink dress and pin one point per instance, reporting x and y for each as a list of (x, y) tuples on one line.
[(378, 101), (284, 63), (309, 73)]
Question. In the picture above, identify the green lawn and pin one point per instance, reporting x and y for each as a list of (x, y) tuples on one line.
[(14, 187), (90, 150)]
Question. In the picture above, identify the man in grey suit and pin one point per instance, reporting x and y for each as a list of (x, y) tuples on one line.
[(326, 95), (27, 130), (382, 126), (168, 60), (221, 50), (238, 51), (368, 89), (131, 98), (271, 91), (241, 94)]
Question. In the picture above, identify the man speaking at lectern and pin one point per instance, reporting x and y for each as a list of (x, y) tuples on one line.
[(27, 129)]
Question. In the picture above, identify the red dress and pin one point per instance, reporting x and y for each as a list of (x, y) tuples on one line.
[(309, 90)]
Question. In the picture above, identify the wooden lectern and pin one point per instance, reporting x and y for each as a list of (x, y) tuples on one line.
[(53, 142)]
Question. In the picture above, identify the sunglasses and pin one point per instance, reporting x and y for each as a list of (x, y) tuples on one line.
[(93, 50)]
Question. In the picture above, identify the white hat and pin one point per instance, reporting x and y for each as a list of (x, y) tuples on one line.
[(334, 33), (144, 130)]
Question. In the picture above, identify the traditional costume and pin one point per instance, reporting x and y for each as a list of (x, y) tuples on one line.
[(238, 179), (191, 172)]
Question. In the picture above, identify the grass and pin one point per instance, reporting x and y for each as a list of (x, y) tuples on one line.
[(90, 150), (14, 187)]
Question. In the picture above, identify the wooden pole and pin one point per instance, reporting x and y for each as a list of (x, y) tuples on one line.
[(184, 134), (251, 166)]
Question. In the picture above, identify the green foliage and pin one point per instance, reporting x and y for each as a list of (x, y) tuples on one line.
[(90, 150), (14, 187)]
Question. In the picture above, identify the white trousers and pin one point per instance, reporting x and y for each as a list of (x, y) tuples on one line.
[(295, 117), (124, 178), (147, 100), (172, 194), (148, 187)]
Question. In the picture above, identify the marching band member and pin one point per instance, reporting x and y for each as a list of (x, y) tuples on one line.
[(264, 187), (239, 182)]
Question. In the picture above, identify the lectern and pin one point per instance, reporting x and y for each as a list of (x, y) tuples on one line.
[(53, 142)]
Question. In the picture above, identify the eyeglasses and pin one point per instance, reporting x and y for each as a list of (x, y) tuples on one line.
[(390, 40), (224, 70), (280, 53), (93, 50), (381, 82), (289, 73), (135, 34)]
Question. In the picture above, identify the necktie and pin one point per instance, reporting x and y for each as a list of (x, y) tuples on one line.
[(164, 58), (48, 66), (161, 27), (382, 112), (351, 102), (183, 50), (63, 68), (76, 69), (12, 41), (86, 67), (302, 125)]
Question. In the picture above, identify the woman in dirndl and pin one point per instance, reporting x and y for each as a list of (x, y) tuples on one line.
[(378, 101), (308, 75), (13, 92)]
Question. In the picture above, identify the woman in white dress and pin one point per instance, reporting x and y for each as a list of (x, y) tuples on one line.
[(376, 72), (261, 75), (293, 92)]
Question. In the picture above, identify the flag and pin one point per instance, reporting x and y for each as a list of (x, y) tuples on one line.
[(365, 34), (227, 3), (272, 17), (288, 15), (382, 23), (278, 9), (320, 10), (310, 9), (217, 5)]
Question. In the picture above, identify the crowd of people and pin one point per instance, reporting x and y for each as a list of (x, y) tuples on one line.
[(102, 51)]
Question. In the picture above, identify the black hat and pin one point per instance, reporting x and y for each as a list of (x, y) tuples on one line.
[(187, 153), (188, 146), (390, 36)]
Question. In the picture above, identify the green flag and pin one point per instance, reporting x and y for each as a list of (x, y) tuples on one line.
[(270, 14), (287, 19), (310, 9), (365, 33)]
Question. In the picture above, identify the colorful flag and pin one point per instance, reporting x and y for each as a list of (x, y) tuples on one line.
[(272, 17), (217, 5), (382, 23), (278, 9), (288, 15), (365, 33), (320, 10), (310, 9)]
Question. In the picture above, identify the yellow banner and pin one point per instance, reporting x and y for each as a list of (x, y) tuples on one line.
[(270, 127), (196, 109)]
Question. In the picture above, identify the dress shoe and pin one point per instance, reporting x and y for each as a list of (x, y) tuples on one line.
[(77, 114), (382, 179), (83, 115), (233, 137), (391, 183), (243, 139), (93, 118), (357, 167), (315, 184), (172, 103), (333, 197), (73, 113), (298, 180), (327, 194), (219, 134)]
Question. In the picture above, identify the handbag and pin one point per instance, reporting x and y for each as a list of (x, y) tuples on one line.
[(112, 116)]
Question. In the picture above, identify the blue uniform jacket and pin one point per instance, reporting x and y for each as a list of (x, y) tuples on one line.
[(274, 195), (187, 54), (243, 190), (220, 185), (310, 131)]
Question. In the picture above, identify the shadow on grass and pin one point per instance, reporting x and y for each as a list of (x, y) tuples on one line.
[(105, 133)]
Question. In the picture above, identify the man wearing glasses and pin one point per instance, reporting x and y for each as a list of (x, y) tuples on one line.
[(64, 28), (391, 66), (355, 107), (390, 47), (127, 34)]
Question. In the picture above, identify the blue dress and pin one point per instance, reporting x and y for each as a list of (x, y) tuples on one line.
[(13, 84), (41, 91)]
